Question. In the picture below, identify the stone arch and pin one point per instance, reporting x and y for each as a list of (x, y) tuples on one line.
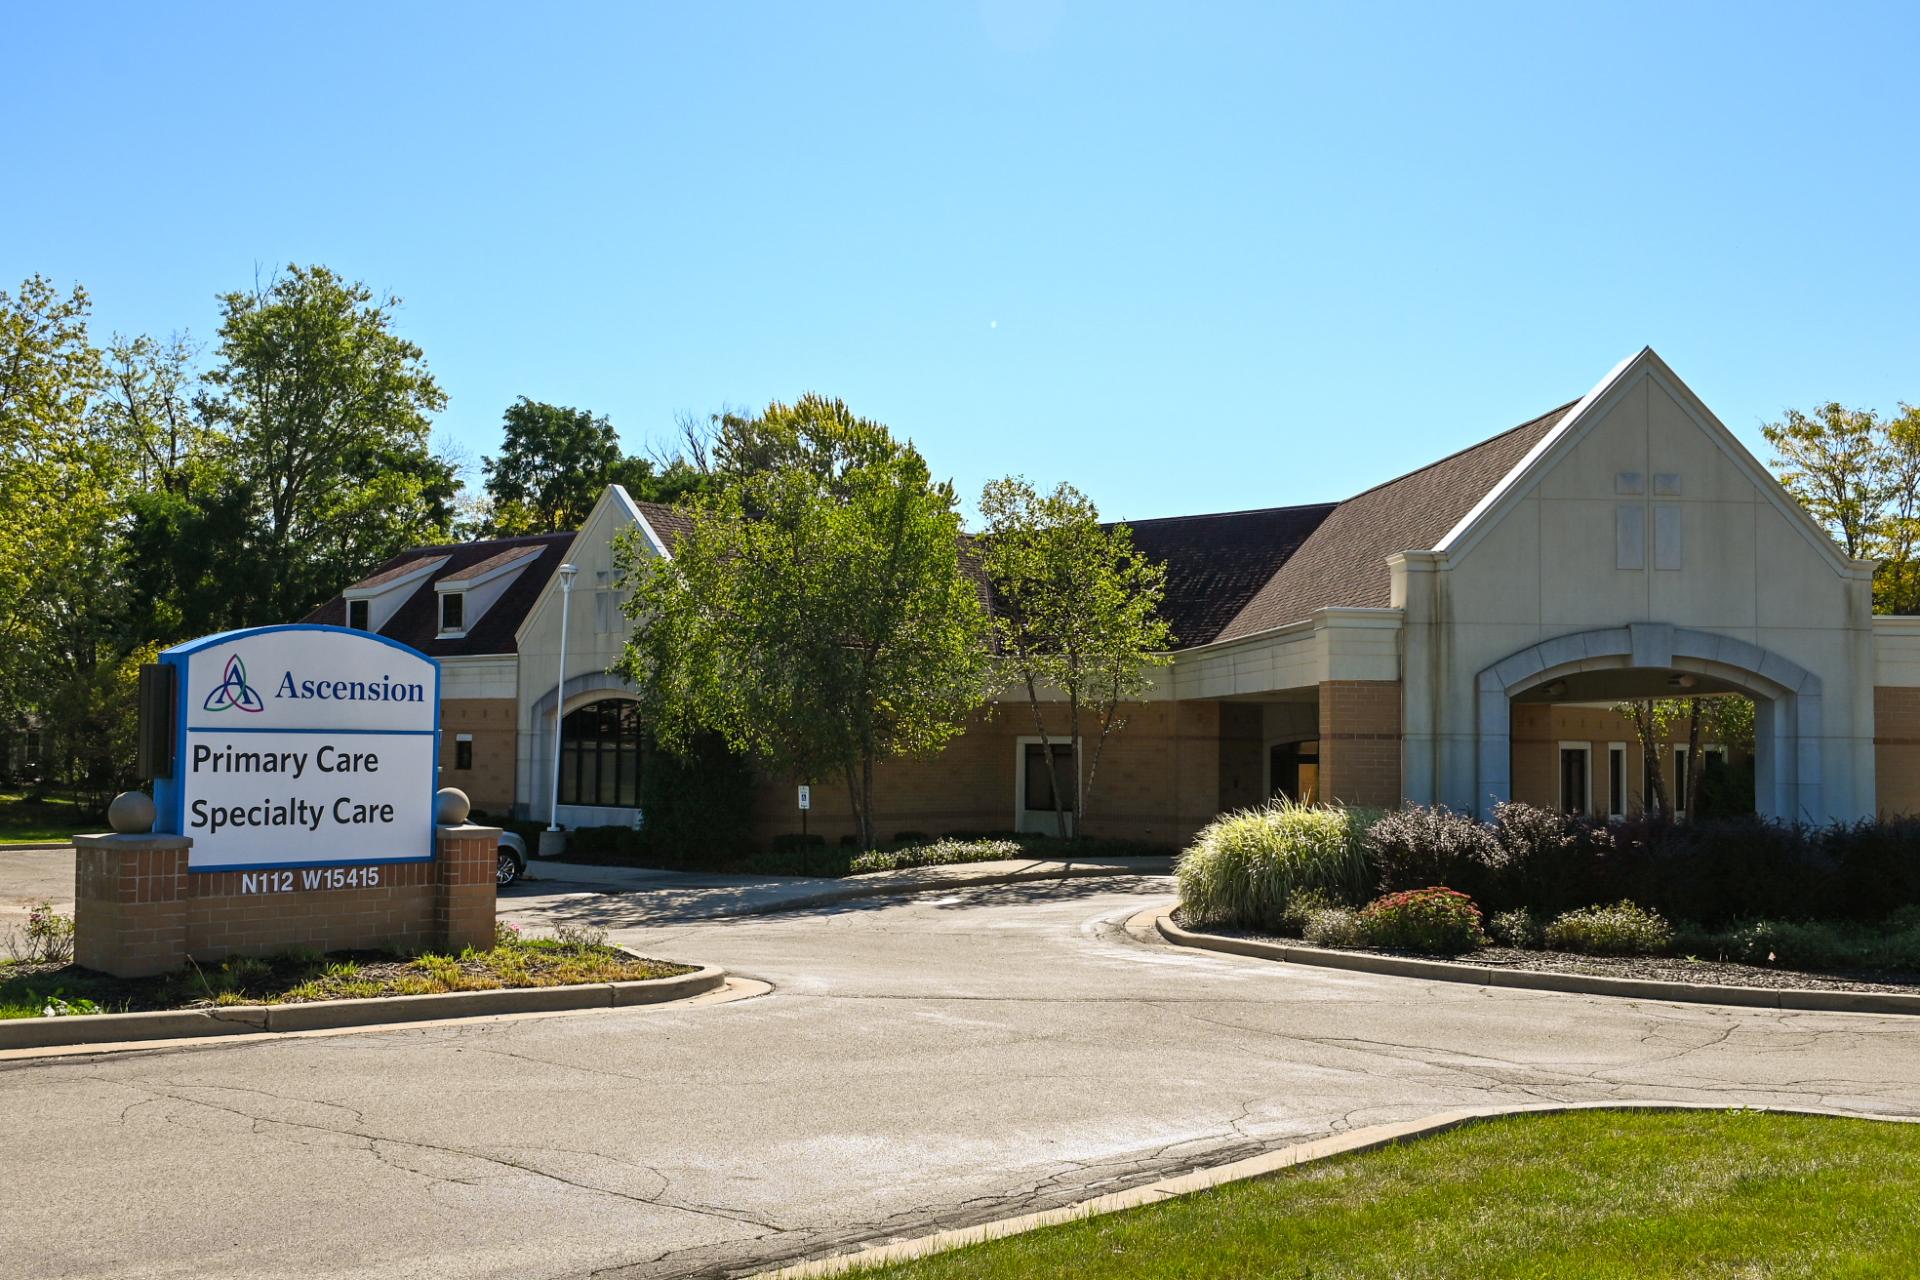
[(1789, 750), (578, 691)]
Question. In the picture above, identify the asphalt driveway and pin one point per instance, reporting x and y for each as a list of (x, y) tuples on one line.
[(919, 1063)]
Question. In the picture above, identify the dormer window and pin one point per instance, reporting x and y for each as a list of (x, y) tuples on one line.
[(357, 615), (453, 611)]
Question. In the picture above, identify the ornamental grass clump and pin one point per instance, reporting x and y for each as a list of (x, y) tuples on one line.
[(1244, 867), (1435, 920), (1619, 930)]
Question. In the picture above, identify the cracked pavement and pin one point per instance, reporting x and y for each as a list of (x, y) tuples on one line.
[(920, 1063)]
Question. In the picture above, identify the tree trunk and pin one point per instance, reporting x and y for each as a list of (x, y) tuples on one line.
[(1645, 729), (1695, 764)]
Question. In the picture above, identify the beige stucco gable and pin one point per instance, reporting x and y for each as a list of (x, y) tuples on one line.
[(596, 629), (1640, 508)]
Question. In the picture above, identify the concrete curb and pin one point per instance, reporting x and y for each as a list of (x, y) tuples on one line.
[(109, 1028), (1371, 1138), (923, 884), (44, 846), (1795, 999)]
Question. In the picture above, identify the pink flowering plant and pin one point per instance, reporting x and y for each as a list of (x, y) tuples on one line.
[(1436, 920)]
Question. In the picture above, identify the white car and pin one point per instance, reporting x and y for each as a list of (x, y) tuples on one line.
[(513, 860)]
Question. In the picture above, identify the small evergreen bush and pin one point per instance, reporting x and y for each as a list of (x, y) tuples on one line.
[(1436, 920), (940, 853), (1516, 927), (1243, 867), (1333, 927), (1619, 930)]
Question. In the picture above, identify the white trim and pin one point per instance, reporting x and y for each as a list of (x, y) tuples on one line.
[(612, 495), (519, 562), (1520, 469), (1560, 775), (440, 613), (1617, 797), (1020, 810), (412, 575)]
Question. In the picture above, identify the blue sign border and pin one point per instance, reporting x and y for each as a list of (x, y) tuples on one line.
[(169, 794)]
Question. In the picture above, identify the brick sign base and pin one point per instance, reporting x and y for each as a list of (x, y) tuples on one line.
[(138, 911)]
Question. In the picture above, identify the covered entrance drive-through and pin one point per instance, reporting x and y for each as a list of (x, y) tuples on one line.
[(1657, 660)]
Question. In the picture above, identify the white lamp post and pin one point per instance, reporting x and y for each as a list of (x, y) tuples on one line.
[(560, 692)]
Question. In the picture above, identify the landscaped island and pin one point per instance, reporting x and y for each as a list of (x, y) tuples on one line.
[(1741, 901), (38, 978)]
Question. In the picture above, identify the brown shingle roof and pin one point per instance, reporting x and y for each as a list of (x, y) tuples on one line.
[(1344, 562), (416, 622), (489, 564), (407, 563), (1217, 563)]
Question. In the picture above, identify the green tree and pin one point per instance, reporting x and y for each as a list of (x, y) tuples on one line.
[(1859, 476), (1076, 614), (817, 615), (1726, 718), (327, 414), (552, 467)]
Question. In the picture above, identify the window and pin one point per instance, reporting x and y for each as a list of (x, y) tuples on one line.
[(357, 615), (1040, 780), (600, 755), (1681, 768), (1616, 779), (453, 610), (463, 751), (1293, 770), (1574, 777)]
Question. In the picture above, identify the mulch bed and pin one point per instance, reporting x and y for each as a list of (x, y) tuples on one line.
[(1724, 973)]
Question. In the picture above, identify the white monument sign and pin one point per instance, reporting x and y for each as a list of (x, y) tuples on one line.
[(302, 746)]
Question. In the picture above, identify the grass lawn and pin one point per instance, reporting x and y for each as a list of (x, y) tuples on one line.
[(26, 988), (1627, 1194), (24, 821)]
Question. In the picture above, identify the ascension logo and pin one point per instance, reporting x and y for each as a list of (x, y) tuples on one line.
[(234, 691)]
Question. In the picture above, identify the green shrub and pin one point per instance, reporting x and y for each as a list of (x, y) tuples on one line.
[(938, 854), (1516, 927), (1301, 904), (698, 804), (1619, 930), (1244, 866), (912, 837), (1422, 845), (1437, 920), (1333, 927), (795, 841)]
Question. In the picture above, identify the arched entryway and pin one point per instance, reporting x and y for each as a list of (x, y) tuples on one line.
[(1635, 661), (601, 758)]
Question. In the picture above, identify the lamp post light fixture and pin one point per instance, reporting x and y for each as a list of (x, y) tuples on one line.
[(567, 572)]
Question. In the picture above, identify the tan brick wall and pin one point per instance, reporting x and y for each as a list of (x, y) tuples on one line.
[(1896, 750), (1360, 742), (140, 911), (1160, 778), (492, 722)]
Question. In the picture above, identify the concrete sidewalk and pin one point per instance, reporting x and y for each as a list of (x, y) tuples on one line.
[(578, 890)]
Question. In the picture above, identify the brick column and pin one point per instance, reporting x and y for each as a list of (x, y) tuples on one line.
[(464, 861), (130, 897), (1360, 742), (1896, 750)]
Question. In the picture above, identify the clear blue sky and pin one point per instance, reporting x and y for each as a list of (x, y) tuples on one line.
[(1190, 257)]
